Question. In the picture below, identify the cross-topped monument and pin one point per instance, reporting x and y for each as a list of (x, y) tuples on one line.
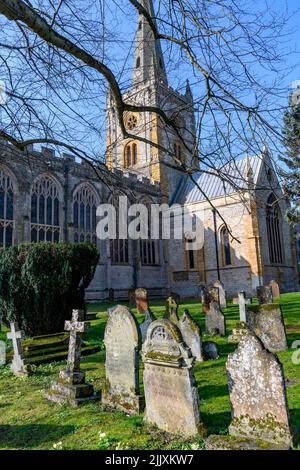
[(18, 366), (71, 386), (172, 309), (76, 327)]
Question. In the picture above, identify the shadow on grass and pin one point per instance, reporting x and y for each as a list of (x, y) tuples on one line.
[(31, 435), (216, 423), (295, 421), (212, 391)]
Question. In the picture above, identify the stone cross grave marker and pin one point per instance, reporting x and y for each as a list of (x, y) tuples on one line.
[(222, 294), (191, 334), (71, 387), (215, 320), (76, 327), (260, 416), (19, 365), (172, 310), (275, 288), (266, 321), (142, 305), (264, 295), (171, 396), (122, 340)]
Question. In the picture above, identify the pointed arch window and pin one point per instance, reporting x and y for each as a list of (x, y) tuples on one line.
[(149, 247), (226, 247), (274, 223), (130, 154), (178, 151), (45, 211), (84, 215), (138, 62), (6, 210), (119, 248)]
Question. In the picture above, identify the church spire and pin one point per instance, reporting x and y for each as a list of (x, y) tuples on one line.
[(148, 57)]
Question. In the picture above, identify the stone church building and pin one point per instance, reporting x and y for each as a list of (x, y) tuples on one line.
[(49, 197)]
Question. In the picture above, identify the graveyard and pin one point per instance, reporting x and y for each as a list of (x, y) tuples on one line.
[(29, 421)]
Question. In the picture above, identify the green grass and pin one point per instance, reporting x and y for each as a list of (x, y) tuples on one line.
[(28, 421)]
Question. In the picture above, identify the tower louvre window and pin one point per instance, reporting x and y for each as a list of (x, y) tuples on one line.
[(130, 154), (138, 62), (178, 151)]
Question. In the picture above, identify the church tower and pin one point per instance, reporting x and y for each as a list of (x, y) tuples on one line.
[(154, 150)]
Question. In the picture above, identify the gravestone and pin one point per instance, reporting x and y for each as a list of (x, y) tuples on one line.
[(142, 305), (71, 387), (91, 316), (275, 288), (176, 297), (122, 342), (214, 294), (264, 295), (238, 332), (266, 321), (172, 310), (2, 353), (172, 402), (111, 295), (242, 305), (210, 350), (205, 299), (260, 416), (131, 297), (215, 320), (222, 294), (191, 334), (19, 365)]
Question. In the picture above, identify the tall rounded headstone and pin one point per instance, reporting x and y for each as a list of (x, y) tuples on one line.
[(122, 342)]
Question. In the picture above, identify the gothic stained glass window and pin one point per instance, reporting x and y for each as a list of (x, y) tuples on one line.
[(149, 247), (119, 248), (6, 210), (226, 249), (45, 207), (84, 215), (274, 222)]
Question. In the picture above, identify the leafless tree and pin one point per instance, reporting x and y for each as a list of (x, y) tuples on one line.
[(58, 58)]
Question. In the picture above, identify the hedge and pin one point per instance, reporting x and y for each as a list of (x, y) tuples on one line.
[(40, 283)]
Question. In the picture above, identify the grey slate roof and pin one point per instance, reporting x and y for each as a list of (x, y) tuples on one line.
[(213, 186)]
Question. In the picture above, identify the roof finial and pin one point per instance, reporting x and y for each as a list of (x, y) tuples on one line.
[(188, 91), (265, 150), (249, 169)]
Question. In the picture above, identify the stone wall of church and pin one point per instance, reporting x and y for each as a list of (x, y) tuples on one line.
[(285, 273), (246, 252), (69, 175)]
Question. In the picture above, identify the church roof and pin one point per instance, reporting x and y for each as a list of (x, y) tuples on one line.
[(234, 179)]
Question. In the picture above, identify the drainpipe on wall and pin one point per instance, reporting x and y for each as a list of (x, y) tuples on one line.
[(216, 243)]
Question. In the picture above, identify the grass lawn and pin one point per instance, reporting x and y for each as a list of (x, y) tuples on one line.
[(28, 421)]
